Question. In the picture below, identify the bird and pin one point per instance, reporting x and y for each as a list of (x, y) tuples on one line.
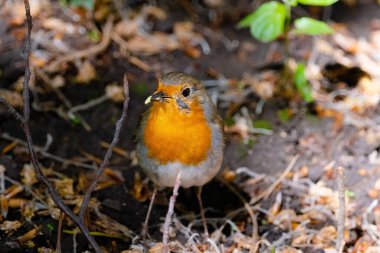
[(180, 138)]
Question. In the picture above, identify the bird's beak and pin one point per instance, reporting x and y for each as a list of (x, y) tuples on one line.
[(157, 96)]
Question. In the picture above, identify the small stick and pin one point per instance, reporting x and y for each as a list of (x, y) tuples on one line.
[(199, 197), (269, 191), (107, 156), (341, 211), (169, 214), (144, 231), (58, 248)]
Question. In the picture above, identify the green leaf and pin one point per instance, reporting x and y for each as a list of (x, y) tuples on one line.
[(87, 4), (284, 115), (302, 84), (318, 2), (267, 22), (229, 121), (293, 3), (262, 124), (350, 194), (94, 35), (311, 26)]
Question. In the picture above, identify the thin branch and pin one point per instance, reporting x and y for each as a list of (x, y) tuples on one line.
[(34, 159), (115, 140), (341, 211), (58, 247), (45, 154), (269, 191)]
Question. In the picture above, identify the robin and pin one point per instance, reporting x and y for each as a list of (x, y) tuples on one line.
[(180, 137)]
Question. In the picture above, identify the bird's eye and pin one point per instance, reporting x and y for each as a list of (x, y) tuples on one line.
[(186, 92)]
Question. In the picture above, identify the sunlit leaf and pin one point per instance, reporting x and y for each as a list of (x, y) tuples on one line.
[(318, 2), (267, 22), (311, 26), (302, 84)]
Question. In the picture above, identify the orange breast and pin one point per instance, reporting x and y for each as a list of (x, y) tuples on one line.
[(171, 135)]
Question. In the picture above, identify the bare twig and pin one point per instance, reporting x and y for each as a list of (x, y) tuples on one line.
[(34, 159), (144, 231), (46, 154), (115, 140), (67, 103), (248, 208), (89, 104), (341, 211), (58, 248), (169, 214), (269, 191)]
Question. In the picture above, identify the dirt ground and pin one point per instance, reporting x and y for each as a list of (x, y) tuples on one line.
[(321, 144)]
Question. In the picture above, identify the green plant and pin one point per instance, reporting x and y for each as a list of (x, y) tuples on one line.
[(273, 19), (87, 4)]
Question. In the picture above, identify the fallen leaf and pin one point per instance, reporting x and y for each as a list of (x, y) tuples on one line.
[(86, 73), (10, 225), (31, 234)]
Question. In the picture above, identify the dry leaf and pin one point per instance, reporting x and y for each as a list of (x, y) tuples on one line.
[(140, 191), (65, 187), (325, 237), (13, 98), (115, 93), (28, 176), (10, 225), (31, 234), (59, 26), (86, 73)]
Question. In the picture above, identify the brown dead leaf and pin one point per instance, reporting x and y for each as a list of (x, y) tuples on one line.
[(155, 12), (31, 234), (139, 191), (28, 176), (3, 206), (65, 187), (240, 127), (263, 84), (8, 148), (86, 73), (246, 242), (363, 244), (28, 210), (110, 177), (13, 191), (17, 202), (325, 237), (153, 44), (59, 26), (115, 92), (229, 175), (288, 249), (13, 97), (10, 225), (314, 216), (127, 28), (285, 219)]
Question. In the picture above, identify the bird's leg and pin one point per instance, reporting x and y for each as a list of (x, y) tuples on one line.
[(169, 214), (203, 217), (144, 231)]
